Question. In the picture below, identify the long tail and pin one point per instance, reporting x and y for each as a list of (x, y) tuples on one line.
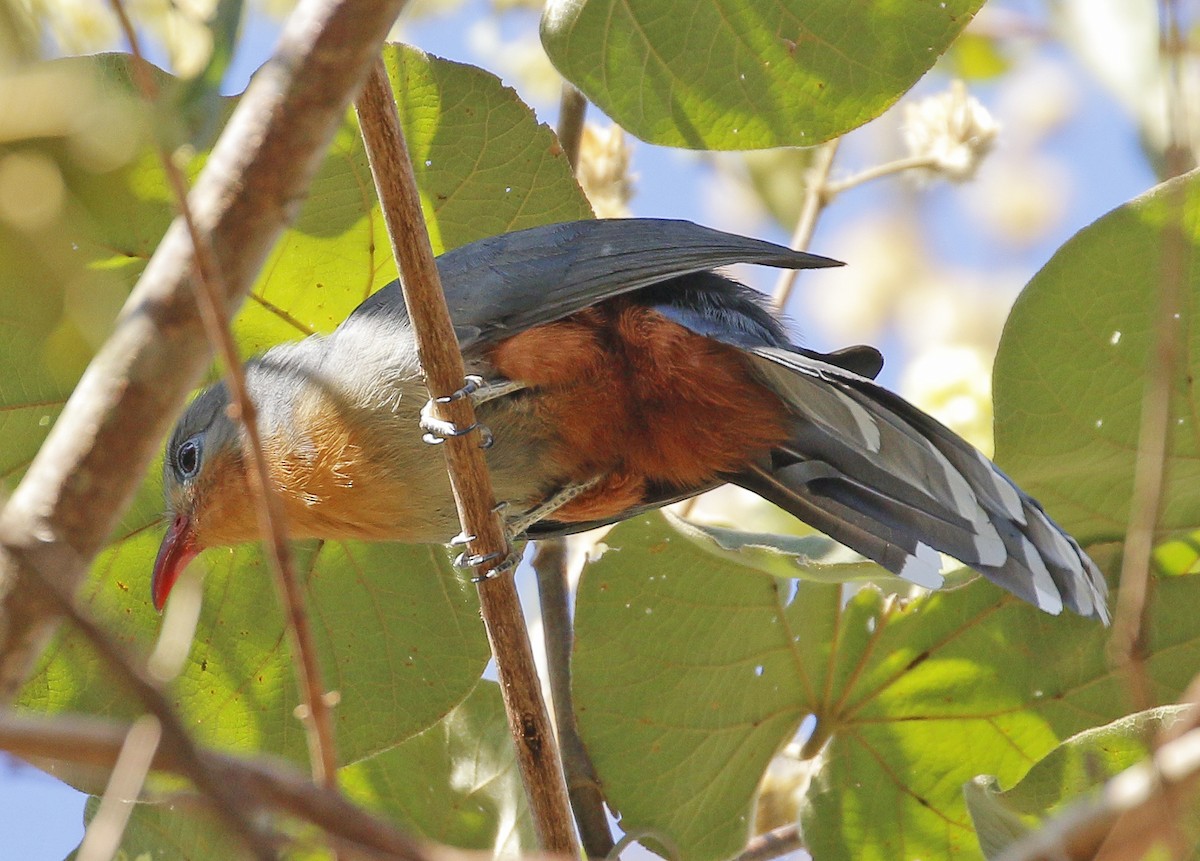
[(875, 473)]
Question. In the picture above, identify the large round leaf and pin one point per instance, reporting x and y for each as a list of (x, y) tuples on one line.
[(1073, 363), (692, 670), (742, 74)]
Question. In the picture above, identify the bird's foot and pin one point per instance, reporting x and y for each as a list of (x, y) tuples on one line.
[(480, 392), (514, 530), (506, 560)]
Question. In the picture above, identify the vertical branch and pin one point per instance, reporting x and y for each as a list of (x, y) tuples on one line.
[(583, 784), (537, 754), (572, 108), (1128, 643), (816, 196), (550, 566)]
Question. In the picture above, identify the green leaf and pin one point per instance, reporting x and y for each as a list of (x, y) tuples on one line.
[(691, 671), (740, 74), (1071, 370), (456, 783), (483, 164), (387, 618), (1077, 766)]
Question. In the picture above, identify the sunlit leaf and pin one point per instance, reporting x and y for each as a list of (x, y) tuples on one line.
[(1070, 773), (1072, 368), (691, 671), (455, 783), (740, 74)]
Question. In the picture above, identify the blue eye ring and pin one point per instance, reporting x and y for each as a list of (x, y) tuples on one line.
[(187, 459)]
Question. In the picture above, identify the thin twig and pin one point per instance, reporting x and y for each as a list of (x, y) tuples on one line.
[(900, 165), (572, 108), (583, 784), (316, 716), (816, 196), (91, 464), (1128, 643), (537, 754), (773, 844)]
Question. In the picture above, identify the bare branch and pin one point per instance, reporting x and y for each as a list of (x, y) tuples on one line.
[(583, 784), (86, 473), (97, 742), (437, 346)]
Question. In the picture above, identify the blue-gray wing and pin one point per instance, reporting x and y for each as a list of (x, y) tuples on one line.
[(500, 286)]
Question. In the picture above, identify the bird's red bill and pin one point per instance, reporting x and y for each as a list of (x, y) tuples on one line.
[(177, 550)]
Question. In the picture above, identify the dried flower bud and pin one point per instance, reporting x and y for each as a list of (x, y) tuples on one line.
[(604, 170), (952, 129), (79, 26)]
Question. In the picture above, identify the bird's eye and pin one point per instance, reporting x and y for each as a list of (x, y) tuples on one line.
[(187, 459)]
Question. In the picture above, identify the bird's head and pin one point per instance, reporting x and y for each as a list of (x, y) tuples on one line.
[(204, 482)]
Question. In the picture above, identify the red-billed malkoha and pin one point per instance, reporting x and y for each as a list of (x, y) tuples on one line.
[(615, 363)]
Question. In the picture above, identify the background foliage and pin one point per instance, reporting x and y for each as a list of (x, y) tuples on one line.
[(701, 664)]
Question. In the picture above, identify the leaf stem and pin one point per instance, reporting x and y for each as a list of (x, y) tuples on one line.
[(900, 165), (816, 198)]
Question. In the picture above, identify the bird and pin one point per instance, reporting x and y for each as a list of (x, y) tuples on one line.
[(614, 370)]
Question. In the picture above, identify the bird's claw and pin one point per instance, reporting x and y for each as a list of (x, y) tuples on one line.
[(437, 431), (480, 391), (471, 384), (506, 560)]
